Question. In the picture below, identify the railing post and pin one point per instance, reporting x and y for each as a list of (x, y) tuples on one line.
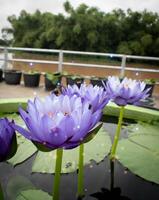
[(60, 61), (5, 65), (123, 65)]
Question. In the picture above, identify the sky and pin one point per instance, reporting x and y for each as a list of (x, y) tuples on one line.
[(10, 7)]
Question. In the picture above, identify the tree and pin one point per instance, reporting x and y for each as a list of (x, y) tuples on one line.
[(88, 29)]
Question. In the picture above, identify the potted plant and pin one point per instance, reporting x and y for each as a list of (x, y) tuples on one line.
[(1, 75), (31, 78), (52, 80), (97, 81), (150, 83), (12, 77), (74, 79)]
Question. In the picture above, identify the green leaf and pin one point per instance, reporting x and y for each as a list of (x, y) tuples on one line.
[(132, 112), (25, 150), (95, 150), (33, 195), (16, 184), (143, 128), (54, 77), (12, 105), (140, 152), (13, 147), (93, 133), (14, 117), (41, 147)]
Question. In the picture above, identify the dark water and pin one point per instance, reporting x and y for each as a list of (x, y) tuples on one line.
[(100, 182)]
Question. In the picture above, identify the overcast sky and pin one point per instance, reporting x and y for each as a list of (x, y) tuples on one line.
[(9, 7)]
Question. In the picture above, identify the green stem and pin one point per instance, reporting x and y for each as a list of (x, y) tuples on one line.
[(56, 188), (80, 192), (1, 193), (117, 134)]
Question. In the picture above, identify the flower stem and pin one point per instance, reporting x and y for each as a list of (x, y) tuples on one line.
[(56, 190), (80, 192), (1, 193), (117, 134)]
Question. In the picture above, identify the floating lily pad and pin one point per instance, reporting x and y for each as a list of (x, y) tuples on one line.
[(143, 128), (16, 184), (12, 104), (33, 195), (25, 150), (95, 150), (14, 117), (140, 152)]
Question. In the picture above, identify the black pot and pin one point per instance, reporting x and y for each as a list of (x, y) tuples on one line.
[(1, 75), (151, 86), (97, 82), (12, 77), (72, 81), (31, 80), (49, 85)]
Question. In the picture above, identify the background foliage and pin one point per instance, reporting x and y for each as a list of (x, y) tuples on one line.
[(88, 29)]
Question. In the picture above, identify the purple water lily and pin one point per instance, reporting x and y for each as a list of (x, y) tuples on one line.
[(8, 143), (95, 95), (125, 92), (58, 121)]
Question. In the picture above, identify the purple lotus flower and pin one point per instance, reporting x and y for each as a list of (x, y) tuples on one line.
[(58, 121), (125, 92), (8, 145), (96, 95)]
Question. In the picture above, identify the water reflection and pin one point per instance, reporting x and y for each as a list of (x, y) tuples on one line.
[(111, 175), (112, 193), (115, 193)]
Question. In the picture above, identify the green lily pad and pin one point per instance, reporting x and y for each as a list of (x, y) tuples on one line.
[(16, 184), (25, 150), (95, 150), (14, 117), (140, 152), (12, 105), (33, 195), (143, 128)]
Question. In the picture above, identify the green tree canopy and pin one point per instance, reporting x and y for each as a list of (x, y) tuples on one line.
[(88, 29)]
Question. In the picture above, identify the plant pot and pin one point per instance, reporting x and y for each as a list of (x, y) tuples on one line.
[(151, 86), (12, 77), (31, 80), (1, 75), (97, 82), (72, 81), (49, 85)]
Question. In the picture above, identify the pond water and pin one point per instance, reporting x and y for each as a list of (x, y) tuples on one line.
[(100, 181)]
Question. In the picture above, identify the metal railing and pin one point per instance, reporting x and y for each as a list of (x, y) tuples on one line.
[(61, 62)]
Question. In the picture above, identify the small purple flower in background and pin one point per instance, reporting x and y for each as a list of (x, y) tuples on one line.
[(96, 95), (58, 121), (8, 144), (125, 92)]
